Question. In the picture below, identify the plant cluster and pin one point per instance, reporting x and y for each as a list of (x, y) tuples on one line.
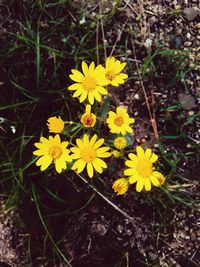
[(88, 150)]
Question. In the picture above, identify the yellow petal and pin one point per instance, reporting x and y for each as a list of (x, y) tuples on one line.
[(139, 185), (93, 140), (101, 90), (153, 158), (44, 162), (75, 86), (79, 143), (102, 150), (120, 67), (148, 153), (97, 96), (39, 152), (133, 179), (157, 174), (98, 143), (147, 184), (78, 92), (130, 171), (100, 162), (90, 170), (97, 167), (91, 68), (85, 139), (83, 96), (60, 164), (57, 139), (76, 164), (91, 98), (140, 152), (85, 68), (133, 157), (154, 180), (81, 166), (77, 76)]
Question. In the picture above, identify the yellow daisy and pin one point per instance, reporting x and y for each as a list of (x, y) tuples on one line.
[(90, 83), (52, 150), (120, 186), (88, 152), (113, 71), (88, 119), (141, 169), (120, 143), (55, 125), (119, 122)]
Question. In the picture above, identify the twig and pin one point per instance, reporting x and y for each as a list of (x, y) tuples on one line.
[(102, 30), (106, 199), (97, 42), (152, 118), (119, 36)]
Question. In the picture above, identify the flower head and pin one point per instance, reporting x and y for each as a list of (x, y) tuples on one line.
[(119, 122), (113, 71), (120, 186), (88, 119), (88, 152), (90, 83), (120, 143), (161, 179), (116, 153), (55, 125), (141, 169), (52, 150)]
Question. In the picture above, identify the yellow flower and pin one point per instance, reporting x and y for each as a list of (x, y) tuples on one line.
[(120, 186), (90, 83), (55, 125), (116, 153), (119, 122), (88, 152), (141, 169), (52, 150), (88, 119), (113, 69), (120, 143)]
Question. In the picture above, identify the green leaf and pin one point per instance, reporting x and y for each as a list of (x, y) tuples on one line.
[(105, 108), (129, 139)]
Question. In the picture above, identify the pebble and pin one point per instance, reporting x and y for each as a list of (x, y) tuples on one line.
[(190, 13), (187, 43), (188, 35)]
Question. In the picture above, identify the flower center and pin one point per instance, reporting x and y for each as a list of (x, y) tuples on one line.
[(110, 75), (89, 84), (118, 121), (88, 154), (55, 152), (88, 121), (144, 168)]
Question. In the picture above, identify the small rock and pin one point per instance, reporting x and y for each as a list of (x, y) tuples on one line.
[(186, 101), (193, 236), (187, 43), (190, 13), (153, 256)]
